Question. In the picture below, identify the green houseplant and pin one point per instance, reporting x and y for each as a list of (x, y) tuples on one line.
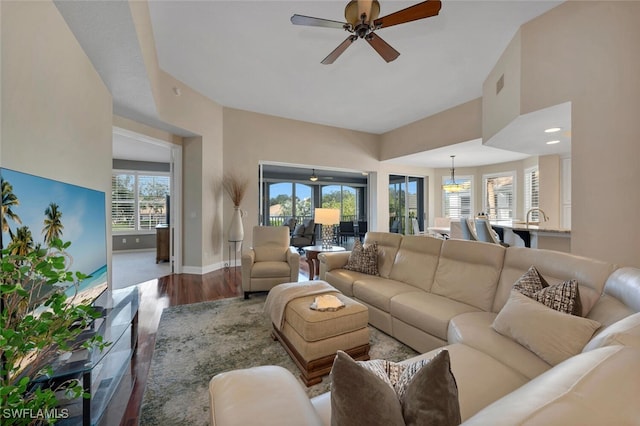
[(40, 317)]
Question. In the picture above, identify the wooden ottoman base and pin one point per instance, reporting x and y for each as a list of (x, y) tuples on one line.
[(312, 371)]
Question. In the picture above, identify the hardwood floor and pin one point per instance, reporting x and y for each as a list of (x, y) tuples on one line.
[(172, 290)]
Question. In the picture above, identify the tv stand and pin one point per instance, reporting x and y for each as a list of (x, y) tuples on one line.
[(106, 375)]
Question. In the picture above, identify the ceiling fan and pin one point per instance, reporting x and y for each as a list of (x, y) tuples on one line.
[(362, 22)]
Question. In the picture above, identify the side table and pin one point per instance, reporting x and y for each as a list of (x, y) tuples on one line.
[(312, 252)]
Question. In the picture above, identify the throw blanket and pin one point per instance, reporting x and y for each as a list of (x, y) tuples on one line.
[(281, 294)]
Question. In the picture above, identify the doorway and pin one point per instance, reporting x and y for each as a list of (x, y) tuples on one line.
[(146, 204)]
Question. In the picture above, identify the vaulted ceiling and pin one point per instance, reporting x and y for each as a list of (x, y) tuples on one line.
[(248, 55)]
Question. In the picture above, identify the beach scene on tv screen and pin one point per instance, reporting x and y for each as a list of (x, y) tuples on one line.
[(36, 209)]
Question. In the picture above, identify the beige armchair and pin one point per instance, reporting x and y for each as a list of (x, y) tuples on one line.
[(270, 261)]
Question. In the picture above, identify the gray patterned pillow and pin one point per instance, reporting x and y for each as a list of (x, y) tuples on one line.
[(563, 297), (363, 259), (421, 393), (530, 283)]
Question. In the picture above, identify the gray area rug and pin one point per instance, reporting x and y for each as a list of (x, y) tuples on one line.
[(196, 342)]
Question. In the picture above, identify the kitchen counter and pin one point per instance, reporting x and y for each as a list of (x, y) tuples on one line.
[(536, 236)]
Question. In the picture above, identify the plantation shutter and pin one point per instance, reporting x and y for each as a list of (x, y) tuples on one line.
[(531, 192), (457, 204), (123, 199)]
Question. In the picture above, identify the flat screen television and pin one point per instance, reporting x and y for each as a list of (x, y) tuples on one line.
[(34, 207)]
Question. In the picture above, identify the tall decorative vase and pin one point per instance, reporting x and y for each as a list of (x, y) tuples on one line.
[(236, 231)]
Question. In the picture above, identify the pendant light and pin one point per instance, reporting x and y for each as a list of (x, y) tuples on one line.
[(313, 176), (453, 186)]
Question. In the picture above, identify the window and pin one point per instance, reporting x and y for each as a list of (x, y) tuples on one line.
[(138, 200), (341, 197), (458, 204), (499, 195), (531, 192), (281, 202)]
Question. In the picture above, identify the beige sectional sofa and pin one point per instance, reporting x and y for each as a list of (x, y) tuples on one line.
[(433, 293)]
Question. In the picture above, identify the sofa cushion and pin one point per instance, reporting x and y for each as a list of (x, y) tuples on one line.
[(480, 378), (552, 335), (416, 261), (363, 258), (468, 272), (600, 387), (624, 332), (474, 329), (388, 245), (427, 311), (425, 392), (270, 270), (378, 291)]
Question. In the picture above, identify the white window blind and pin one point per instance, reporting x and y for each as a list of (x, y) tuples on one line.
[(458, 204), (499, 196), (138, 200), (531, 191)]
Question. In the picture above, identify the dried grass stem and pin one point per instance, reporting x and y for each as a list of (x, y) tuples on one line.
[(236, 186)]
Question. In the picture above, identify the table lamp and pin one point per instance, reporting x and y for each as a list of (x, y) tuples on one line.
[(327, 218)]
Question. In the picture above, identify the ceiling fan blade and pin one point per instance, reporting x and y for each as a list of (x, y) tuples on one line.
[(422, 10), (387, 52), (316, 22), (339, 50)]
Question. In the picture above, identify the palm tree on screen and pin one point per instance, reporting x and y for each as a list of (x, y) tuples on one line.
[(52, 224)]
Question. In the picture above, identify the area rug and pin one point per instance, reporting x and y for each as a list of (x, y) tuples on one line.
[(195, 342)]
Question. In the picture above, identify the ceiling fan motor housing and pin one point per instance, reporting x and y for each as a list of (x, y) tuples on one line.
[(353, 16)]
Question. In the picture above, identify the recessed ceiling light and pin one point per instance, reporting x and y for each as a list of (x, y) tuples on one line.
[(552, 130), (553, 142)]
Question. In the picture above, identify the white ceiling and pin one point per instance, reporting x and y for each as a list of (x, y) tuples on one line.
[(247, 55)]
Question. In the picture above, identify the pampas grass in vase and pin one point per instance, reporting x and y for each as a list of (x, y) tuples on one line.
[(236, 187)]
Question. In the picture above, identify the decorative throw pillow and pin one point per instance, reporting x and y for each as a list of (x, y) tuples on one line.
[(563, 297), (530, 283), (298, 231), (363, 259), (553, 336), (384, 392)]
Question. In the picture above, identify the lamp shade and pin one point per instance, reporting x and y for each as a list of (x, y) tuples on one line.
[(327, 216)]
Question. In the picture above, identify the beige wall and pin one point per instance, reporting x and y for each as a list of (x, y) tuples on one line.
[(458, 124), (499, 109), (56, 111), (251, 138), (202, 155), (587, 53)]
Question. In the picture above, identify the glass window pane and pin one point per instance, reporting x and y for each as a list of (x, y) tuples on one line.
[(348, 204), (331, 196), (280, 202), (152, 199), (304, 202)]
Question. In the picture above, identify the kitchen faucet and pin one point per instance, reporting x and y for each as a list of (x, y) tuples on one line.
[(544, 215)]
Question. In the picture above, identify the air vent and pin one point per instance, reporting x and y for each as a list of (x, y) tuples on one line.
[(500, 84)]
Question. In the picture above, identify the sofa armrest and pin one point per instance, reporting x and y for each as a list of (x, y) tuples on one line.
[(268, 395), (330, 261), (293, 259), (247, 260)]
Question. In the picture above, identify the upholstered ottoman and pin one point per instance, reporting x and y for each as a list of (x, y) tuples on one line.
[(312, 337)]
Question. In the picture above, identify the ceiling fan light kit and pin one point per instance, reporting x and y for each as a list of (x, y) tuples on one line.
[(362, 22)]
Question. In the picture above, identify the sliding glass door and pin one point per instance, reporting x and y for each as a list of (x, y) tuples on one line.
[(406, 204)]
